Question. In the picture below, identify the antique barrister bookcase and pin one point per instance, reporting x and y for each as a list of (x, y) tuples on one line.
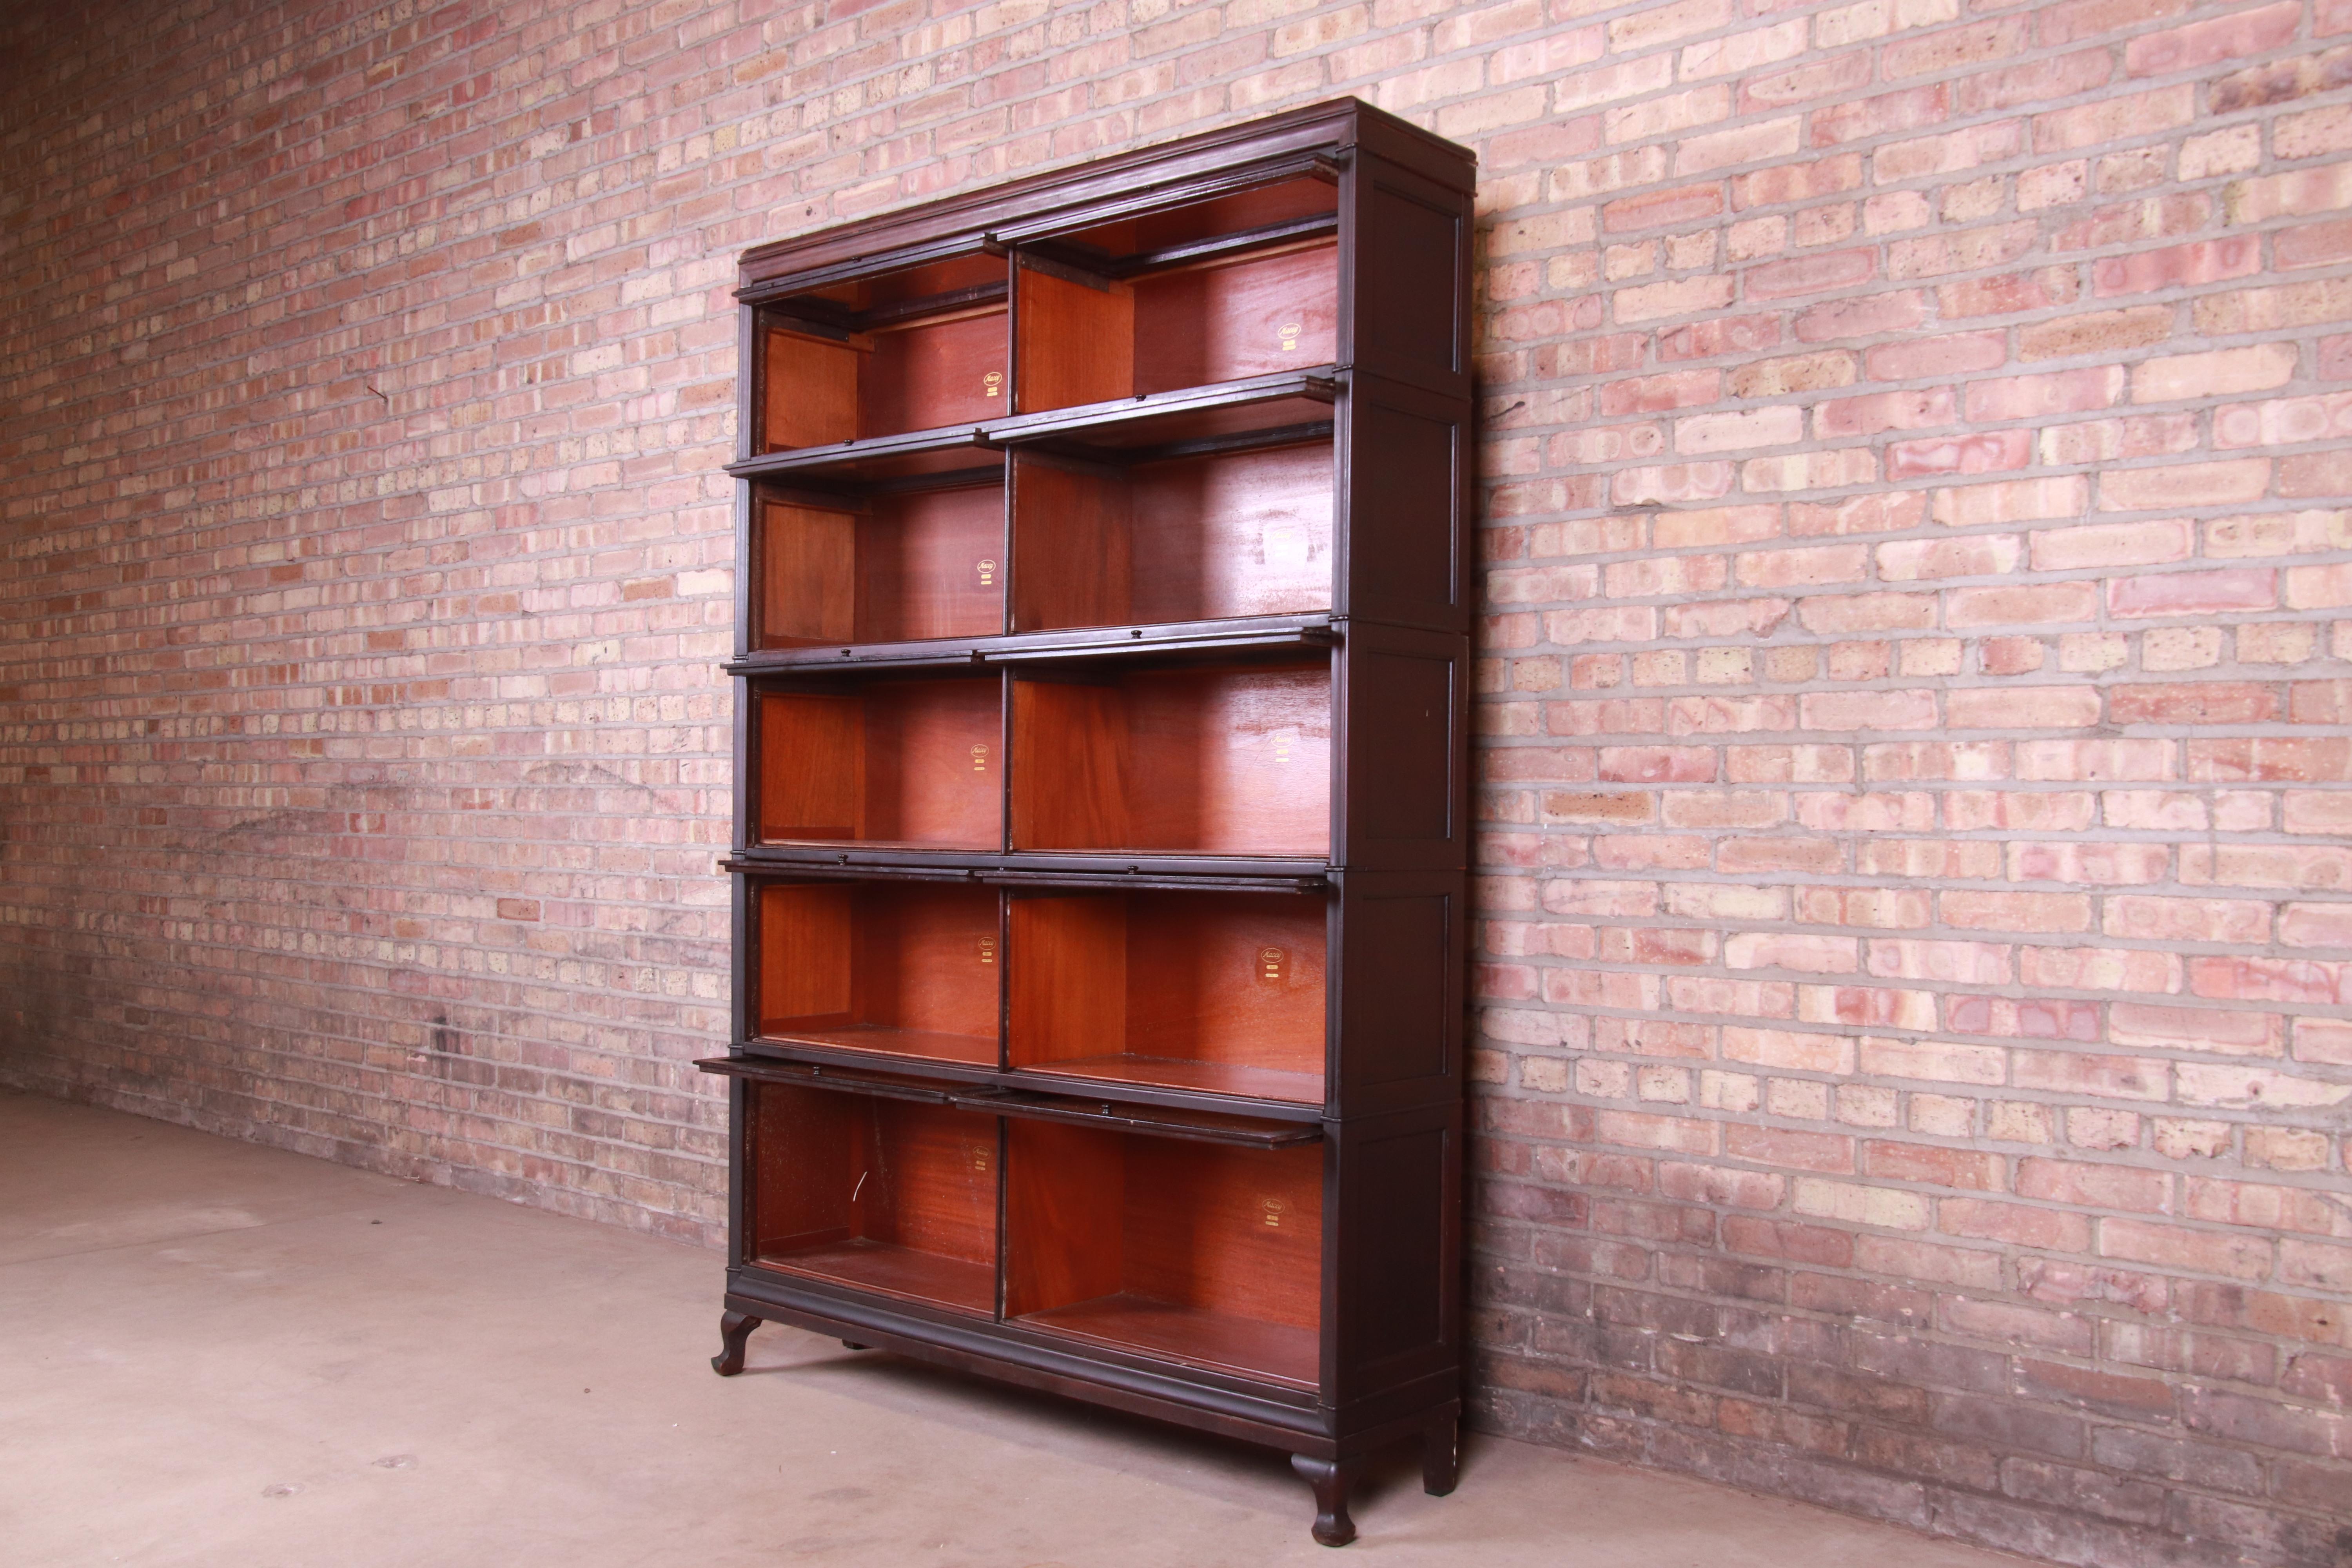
[(1104, 600)]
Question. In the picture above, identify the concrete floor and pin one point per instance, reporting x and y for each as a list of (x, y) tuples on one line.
[(218, 1354)]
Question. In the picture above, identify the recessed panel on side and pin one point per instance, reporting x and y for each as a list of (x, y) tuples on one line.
[(1404, 509), (1399, 1008), (1399, 1188), (1408, 270)]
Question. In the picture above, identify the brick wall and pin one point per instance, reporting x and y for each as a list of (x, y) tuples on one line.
[(1916, 1067)]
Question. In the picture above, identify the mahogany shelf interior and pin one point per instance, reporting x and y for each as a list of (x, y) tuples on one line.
[(1191, 1252), (884, 762), (1222, 290), (902, 969), (1226, 759), (1220, 993), (879, 1195), (912, 350), (1206, 536), (890, 566)]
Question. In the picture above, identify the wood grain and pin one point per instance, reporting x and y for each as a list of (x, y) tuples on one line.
[(1231, 320), (1076, 341), (811, 387)]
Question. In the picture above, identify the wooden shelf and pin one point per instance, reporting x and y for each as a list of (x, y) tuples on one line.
[(1201, 1253), (1180, 1072), (900, 969), (1222, 1342), (1223, 534), (882, 567), (1232, 759), (893, 1270), (1223, 993), (904, 763), (875, 1193), (1216, 292), (911, 350)]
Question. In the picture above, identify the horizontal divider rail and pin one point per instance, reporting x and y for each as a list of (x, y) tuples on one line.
[(1319, 631), (1122, 427), (993, 1099)]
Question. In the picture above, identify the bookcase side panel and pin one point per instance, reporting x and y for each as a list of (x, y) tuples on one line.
[(1404, 490), (1400, 976), (1403, 701), (1397, 1329), (1411, 267)]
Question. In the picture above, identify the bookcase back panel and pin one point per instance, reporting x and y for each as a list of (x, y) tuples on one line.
[(877, 1193), (1218, 991), (1192, 1251), (1232, 760), (933, 371), (915, 762), (910, 969), (1230, 320), (1192, 539)]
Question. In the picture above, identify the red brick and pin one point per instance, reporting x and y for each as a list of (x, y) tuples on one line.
[(2234, 37), (2092, 1187)]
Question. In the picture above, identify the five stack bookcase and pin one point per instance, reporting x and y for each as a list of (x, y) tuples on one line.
[(1104, 600)]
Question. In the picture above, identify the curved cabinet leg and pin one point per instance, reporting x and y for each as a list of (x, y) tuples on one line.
[(1331, 1479), (1441, 1456), (734, 1328)]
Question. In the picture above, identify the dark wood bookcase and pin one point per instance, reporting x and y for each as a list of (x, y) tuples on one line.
[(1104, 602)]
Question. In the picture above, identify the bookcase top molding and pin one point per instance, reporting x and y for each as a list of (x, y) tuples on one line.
[(1039, 204)]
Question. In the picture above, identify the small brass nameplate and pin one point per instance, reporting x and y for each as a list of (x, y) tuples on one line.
[(1272, 1209), (979, 759), (1289, 333), (1269, 964), (988, 573), (988, 949), (993, 381)]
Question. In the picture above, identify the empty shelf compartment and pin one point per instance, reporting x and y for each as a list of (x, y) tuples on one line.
[(1220, 291), (1239, 529), (1189, 1252), (911, 350), (1231, 759), (874, 1194), (883, 763), (1220, 993), (902, 968), (890, 565)]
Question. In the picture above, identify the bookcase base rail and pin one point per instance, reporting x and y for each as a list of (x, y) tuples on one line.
[(1326, 1449)]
